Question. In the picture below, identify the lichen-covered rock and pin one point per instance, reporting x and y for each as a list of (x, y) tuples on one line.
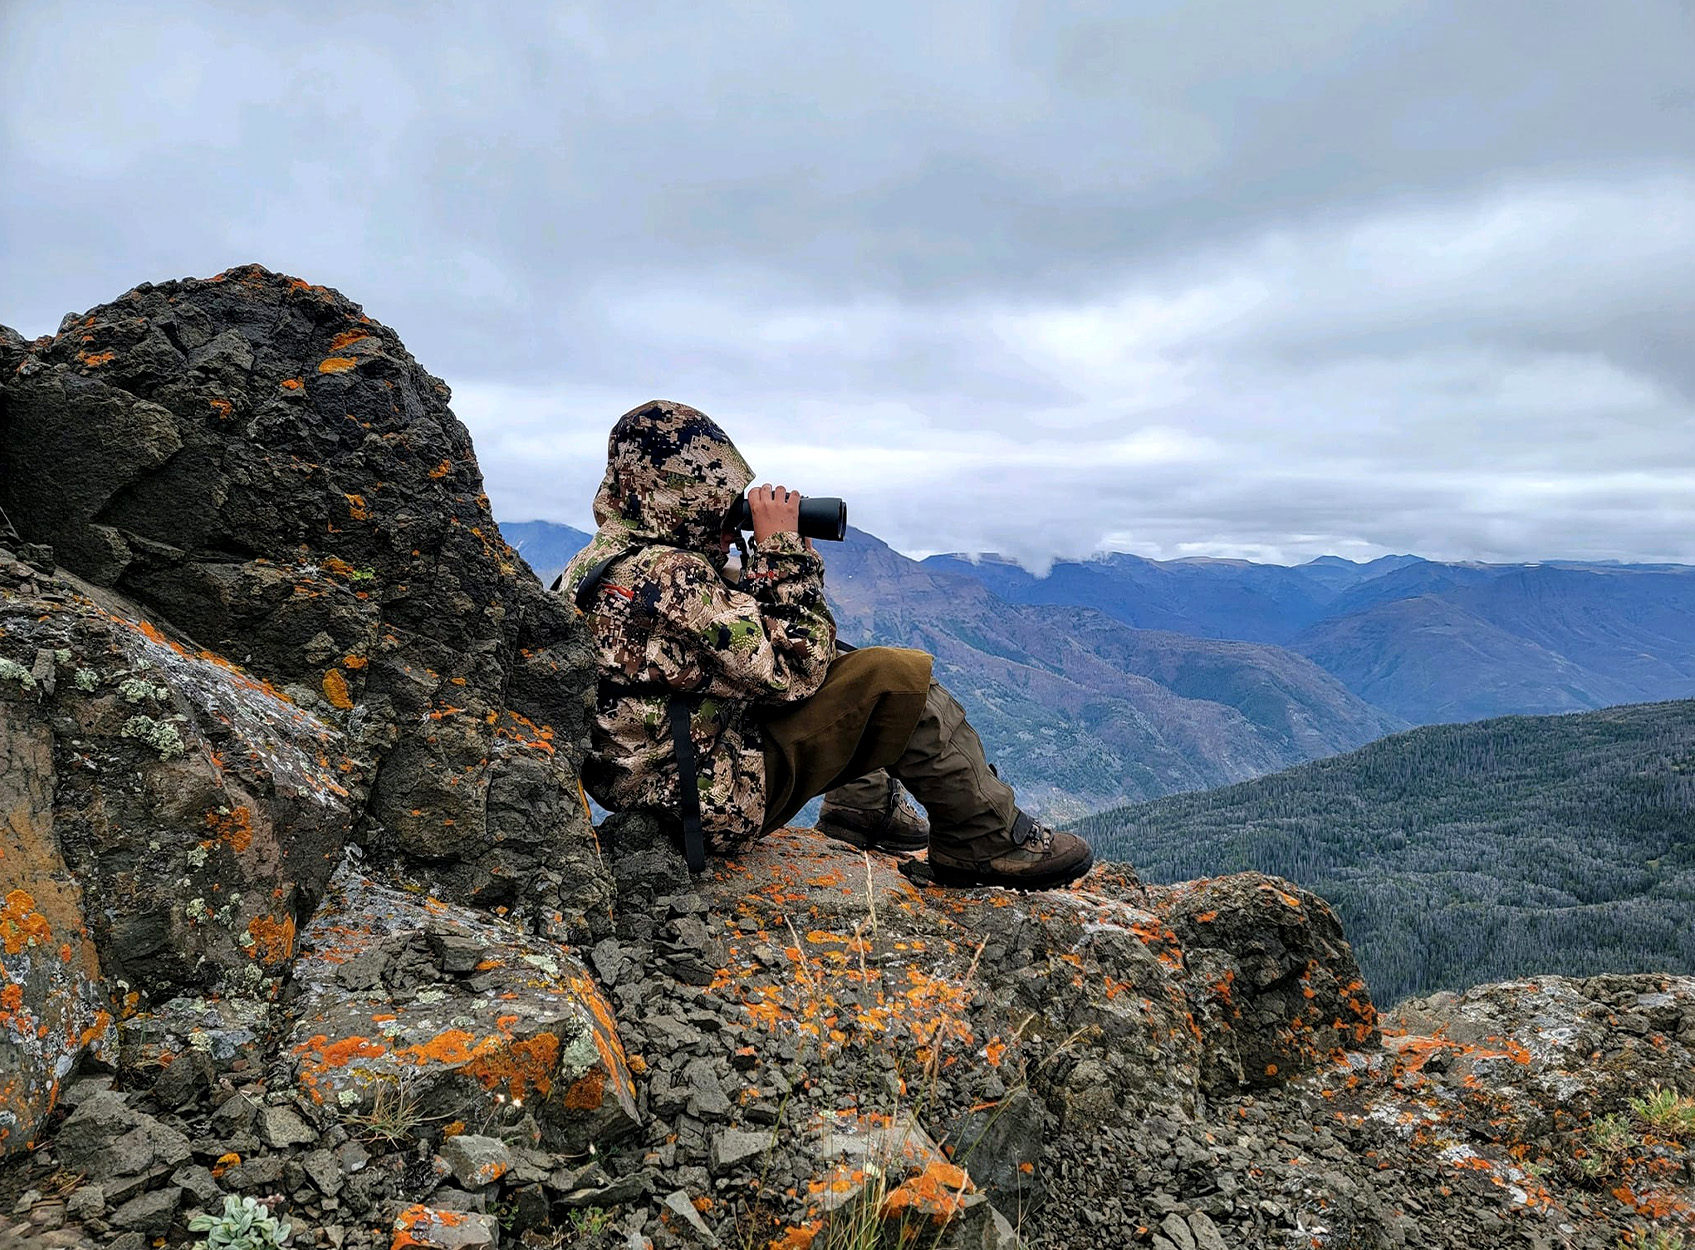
[(1269, 978), (52, 1003), (168, 819), (13, 348), (413, 1006), (252, 460), (428, 1228), (1506, 1084)]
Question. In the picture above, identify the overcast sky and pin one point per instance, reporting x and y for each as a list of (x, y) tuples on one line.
[(1243, 278)]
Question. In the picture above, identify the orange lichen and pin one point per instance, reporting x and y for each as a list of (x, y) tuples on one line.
[(97, 359), (423, 1219), (354, 661), (356, 508), (222, 407), (21, 924), (336, 691), (292, 384), (336, 364), (273, 939), (936, 1192), (337, 1054), (587, 1092), (347, 338), (234, 827)]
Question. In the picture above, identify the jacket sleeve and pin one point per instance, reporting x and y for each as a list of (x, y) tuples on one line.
[(771, 639)]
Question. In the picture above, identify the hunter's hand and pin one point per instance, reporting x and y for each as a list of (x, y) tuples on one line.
[(775, 509)]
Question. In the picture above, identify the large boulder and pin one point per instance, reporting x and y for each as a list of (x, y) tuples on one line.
[(417, 1009), (253, 461), (166, 821)]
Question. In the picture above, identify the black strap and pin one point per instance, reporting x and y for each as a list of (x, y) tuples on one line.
[(688, 786), (591, 579), (688, 776)]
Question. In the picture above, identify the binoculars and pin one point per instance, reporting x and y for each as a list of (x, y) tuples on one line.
[(821, 516)]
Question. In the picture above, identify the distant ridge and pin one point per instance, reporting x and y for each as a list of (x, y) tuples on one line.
[(546, 546), (1463, 853), (1425, 640)]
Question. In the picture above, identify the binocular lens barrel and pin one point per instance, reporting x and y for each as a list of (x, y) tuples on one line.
[(821, 516)]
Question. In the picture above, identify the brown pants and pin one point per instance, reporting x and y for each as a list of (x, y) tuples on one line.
[(879, 708), (858, 721)]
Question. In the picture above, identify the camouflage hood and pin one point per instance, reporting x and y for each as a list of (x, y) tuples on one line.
[(671, 474)]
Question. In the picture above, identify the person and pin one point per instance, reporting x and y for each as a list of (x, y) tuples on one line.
[(743, 686)]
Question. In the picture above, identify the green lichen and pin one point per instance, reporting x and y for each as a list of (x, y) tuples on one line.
[(196, 856), (86, 679), (11, 670), (197, 910), (134, 690), (162, 736), (62, 655)]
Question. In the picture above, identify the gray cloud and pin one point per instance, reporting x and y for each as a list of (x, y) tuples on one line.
[(1213, 278)]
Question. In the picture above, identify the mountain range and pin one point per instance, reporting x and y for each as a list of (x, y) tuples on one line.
[(1119, 679), (1425, 641), (1455, 854)]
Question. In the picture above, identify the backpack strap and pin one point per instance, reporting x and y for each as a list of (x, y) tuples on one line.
[(688, 786), (682, 743), (591, 579)]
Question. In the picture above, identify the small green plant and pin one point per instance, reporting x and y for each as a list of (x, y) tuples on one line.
[(1604, 1144), (1644, 1238), (1666, 1111), (588, 1221), (244, 1225)]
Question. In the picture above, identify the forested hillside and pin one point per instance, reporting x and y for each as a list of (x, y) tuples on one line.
[(1458, 854)]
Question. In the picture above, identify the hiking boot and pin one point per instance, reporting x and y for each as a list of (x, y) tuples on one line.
[(892, 825), (1038, 858)]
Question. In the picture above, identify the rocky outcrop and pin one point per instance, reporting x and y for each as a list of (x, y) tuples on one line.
[(301, 905), (460, 1016), (253, 461), (807, 986), (163, 820)]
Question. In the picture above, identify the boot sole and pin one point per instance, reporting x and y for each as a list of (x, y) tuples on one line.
[(957, 878), (879, 844)]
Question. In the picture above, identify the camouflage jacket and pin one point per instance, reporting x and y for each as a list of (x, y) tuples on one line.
[(666, 622)]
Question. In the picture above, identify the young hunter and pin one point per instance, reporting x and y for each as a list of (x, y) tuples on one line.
[(743, 686)]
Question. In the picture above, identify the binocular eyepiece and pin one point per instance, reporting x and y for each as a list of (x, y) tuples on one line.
[(821, 516)]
